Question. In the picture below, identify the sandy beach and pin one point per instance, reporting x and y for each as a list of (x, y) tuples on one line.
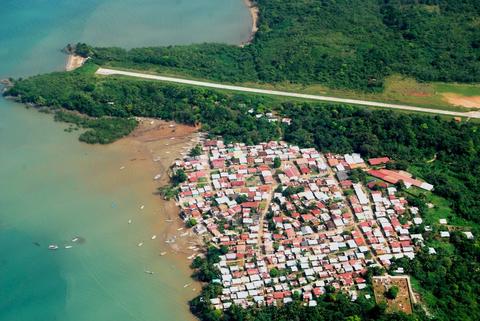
[(74, 62), (254, 12)]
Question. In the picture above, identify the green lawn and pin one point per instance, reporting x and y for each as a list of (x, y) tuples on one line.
[(460, 89), (398, 89), (441, 209)]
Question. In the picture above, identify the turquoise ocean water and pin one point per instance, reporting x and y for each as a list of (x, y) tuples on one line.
[(53, 188)]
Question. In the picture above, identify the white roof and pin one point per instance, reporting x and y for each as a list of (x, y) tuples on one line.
[(426, 186), (362, 198), (469, 235)]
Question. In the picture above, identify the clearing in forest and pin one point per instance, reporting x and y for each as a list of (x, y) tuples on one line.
[(404, 298)]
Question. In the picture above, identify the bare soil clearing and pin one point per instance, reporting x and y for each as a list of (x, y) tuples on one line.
[(404, 300), (74, 62), (464, 101)]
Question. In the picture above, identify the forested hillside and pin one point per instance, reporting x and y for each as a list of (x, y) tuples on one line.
[(350, 44)]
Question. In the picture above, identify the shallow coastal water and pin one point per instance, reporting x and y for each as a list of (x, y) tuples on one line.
[(53, 188), (34, 31)]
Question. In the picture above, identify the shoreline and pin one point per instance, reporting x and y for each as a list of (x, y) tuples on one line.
[(161, 143), (254, 13), (6, 82), (154, 146)]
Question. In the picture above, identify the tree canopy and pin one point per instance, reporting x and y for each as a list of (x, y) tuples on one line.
[(351, 44)]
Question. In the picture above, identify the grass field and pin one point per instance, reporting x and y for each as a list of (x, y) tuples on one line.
[(398, 89), (461, 89)]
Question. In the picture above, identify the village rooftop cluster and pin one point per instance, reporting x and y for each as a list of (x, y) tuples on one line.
[(293, 220)]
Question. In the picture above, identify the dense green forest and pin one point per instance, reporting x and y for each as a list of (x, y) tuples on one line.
[(103, 130), (450, 278), (112, 99), (350, 44), (410, 138)]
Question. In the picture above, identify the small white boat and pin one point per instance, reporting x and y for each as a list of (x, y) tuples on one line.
[(148, 272), (184, 234), (75, 239), (180, 228), (129, 221), (123, 167), (154, 237), (187, 285), (191, 257), (157, 176), (53, 247), (68, 246), (168, 221), (140, 244), (163, 253), (142, 207)]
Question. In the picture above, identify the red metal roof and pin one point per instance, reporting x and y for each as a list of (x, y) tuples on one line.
[(378, 161)]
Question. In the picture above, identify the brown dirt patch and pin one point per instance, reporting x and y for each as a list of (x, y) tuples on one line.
[(74, 62), (150, 130), (420, 94), (464, 101), (403, 301)]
